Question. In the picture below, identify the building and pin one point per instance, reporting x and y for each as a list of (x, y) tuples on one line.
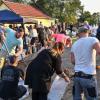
[(29, 13)]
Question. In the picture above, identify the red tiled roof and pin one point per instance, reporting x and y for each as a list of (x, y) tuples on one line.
[(25, 10)]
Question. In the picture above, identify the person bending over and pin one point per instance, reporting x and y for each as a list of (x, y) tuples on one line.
[(41, 69)]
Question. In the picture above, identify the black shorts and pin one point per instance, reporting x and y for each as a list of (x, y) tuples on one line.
[(33, 40)]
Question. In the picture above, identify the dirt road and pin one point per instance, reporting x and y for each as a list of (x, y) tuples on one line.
[(67, 63), (68, 92)]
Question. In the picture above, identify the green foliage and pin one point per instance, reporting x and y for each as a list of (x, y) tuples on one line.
[(86, 16), (93, 19), (68, 12), (21, 1), (65, 12), (18, 0)]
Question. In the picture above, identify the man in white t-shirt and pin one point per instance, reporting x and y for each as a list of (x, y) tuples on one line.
[(34, 38), (83, 56)]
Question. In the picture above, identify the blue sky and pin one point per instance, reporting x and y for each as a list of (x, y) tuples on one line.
[(91, 5)]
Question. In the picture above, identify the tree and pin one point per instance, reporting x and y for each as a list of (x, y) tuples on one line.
[(72, 9), (18, 1), (21, 1), (85, 16), (64, 11), (95, 18)]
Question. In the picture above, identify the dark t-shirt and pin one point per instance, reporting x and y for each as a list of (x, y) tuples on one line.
[(41, 34), (98, 34), (9, 80)]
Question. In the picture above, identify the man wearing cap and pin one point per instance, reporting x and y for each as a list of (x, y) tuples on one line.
[(13, 39), (83, 56)]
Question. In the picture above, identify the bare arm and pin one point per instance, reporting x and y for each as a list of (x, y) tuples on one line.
[(3, 38), (96, 46), (2, 32), (65, 77), (2, 27), (72, 58), (20, 50)]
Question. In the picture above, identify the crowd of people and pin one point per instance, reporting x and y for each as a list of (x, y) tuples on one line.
[(50, 42)]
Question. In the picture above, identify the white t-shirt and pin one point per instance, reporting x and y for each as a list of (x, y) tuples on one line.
[(85, 55), (73, 33), (34, 33)]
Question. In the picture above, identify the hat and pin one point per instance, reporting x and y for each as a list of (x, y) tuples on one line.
[(20, 30), (82, 29)]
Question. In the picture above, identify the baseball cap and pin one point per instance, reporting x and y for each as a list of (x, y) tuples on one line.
[(82, 29), (19, 30)]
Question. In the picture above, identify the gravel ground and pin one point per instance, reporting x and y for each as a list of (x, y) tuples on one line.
[(66, 63), (68, 92)]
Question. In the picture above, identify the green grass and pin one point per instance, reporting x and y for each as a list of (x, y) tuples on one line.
[(74, 39)]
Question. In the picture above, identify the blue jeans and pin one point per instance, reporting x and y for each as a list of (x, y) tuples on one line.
[(85, 87)]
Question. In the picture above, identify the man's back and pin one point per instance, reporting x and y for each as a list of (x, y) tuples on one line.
[(9, 78), (85, 55)]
